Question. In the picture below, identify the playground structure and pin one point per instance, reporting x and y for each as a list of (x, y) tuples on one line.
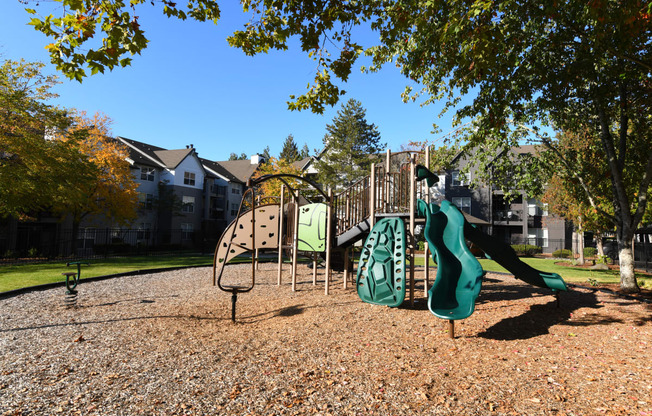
[(384, 208)]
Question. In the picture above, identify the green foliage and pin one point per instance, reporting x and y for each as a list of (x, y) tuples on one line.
[(604, 259), (562, 254), (234, 156), (32, 252), (526, 249), (290, 151), (305, 152), (266, 153), (590, 251), (351, 145), (99, 35), (37, 171)]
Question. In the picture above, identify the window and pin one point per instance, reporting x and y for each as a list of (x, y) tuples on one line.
[(234, 213), (235, 191), (147, 174), (186, 231), (463, 203), (145, 200), (189, 178), (534, 207), (188, 204), (538, 237), (457, 178)]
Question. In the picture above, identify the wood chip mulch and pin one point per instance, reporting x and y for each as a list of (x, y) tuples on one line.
[(163, 344)]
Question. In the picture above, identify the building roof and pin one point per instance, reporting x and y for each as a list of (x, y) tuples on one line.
[(242, 170), (147, 154), (303, 163), (142, 153), (220, 170), (172, 158)]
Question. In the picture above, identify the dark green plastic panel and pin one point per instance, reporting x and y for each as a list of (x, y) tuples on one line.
[(381, 269)]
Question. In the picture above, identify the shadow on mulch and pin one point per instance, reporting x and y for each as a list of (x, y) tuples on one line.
[(541, 317)]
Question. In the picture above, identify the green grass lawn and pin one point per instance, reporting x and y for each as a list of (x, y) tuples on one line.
[(570, 274), (24, 275)]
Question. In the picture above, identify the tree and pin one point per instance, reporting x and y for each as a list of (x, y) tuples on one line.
[(290, 151), (266, 153), (350, 146), (305, 152), (274, 166), (570, 66), (111, 190), (234, 156), (36, 172)]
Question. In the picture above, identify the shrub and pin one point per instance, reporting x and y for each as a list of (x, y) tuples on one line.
[(526, 249), (603, 260), (421, 245), (32, 252), (10, 254), (563, 253), (590, 251)]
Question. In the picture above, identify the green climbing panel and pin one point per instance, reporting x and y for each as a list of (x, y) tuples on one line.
[(312, 227), (381, 269)]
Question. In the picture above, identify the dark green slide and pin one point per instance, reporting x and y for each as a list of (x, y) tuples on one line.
[(459, 274), (505, 255), (381, 269)]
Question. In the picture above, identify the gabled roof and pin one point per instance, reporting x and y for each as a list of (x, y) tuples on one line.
[(214, 168), (142, 153), (303, 163), (147, 154), (242, 170), (172, 158)]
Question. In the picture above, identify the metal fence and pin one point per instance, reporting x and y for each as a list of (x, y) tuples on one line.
[(94, 243)]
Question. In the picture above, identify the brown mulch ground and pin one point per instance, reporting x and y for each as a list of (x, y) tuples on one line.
[(164, 344)]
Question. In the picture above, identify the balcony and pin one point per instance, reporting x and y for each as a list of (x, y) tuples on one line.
[(508, 216)]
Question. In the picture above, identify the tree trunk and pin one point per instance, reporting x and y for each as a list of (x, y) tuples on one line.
[(628, 281), (598, 244), (580, 246)]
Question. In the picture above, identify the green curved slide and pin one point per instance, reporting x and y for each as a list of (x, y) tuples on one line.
[(505, 255), (459, 274)]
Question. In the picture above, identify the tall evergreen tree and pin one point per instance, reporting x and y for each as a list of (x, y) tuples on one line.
[(350, 146), (290, 151), (234, 156), (305, 151)]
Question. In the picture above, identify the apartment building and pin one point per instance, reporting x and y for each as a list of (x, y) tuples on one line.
[(521, 220)]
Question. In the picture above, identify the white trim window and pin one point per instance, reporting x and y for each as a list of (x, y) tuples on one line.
[(458, 179), (188, 204), (463, 203), (538, 236), (147, 174), (536, 208), (189, 178)]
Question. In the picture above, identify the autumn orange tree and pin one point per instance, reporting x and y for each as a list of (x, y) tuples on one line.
[(110, 191), (274, 166)]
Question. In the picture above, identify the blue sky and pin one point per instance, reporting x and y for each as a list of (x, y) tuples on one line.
[(189, 86)]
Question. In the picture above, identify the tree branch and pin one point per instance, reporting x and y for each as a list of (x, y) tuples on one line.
[(573, 173)]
